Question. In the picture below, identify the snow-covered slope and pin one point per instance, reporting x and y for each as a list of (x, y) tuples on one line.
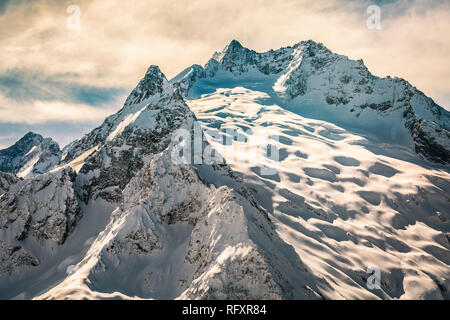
[(305, 176), (311, 81), (176, 237), (175, 229), (345, 201), (30, 156)]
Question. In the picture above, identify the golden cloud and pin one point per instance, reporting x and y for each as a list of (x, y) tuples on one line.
[(118, 40)]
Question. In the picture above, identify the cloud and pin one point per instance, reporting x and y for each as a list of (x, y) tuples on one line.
[(38, 112), (21, 85), (118, 40), (35, 98)]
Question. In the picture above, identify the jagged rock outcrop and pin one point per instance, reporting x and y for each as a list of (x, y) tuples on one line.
[(44, 208), (6, 180), (116, 151), (175, 236), (14, 259), (35, 213)]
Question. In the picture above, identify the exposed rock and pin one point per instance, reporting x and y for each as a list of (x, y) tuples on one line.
[(6, 180), (44, 208), (14, 259)]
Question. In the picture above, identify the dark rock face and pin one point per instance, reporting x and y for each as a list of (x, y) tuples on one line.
[(237, 58), (424, 140), (120, 159), (6, 180), (89, 141), (153, 83), (111, 180), (14, 259), (141, 241)]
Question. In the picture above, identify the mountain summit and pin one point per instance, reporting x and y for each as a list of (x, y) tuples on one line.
[(312, 81)]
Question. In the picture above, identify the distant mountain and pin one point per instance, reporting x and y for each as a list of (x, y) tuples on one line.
[(310, 80), (29, 156)]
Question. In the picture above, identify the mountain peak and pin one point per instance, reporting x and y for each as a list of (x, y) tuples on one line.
[(154, 72), (234, 47), (30, 155), (31, 134), (312, 47), (27, 142), (234, 44), (153, 83), (309, 70), (31, 137), (231, 51), (310, 42)]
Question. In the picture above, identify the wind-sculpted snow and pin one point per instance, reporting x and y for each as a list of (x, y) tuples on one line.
[(312, 81), (148, 93), (344, 201)]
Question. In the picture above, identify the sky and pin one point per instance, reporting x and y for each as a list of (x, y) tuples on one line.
[(63, 70)]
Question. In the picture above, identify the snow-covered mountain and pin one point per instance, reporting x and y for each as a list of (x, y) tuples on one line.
[(312, 81), (29, 156), (174, 229), (277, 175), (343, 200)]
